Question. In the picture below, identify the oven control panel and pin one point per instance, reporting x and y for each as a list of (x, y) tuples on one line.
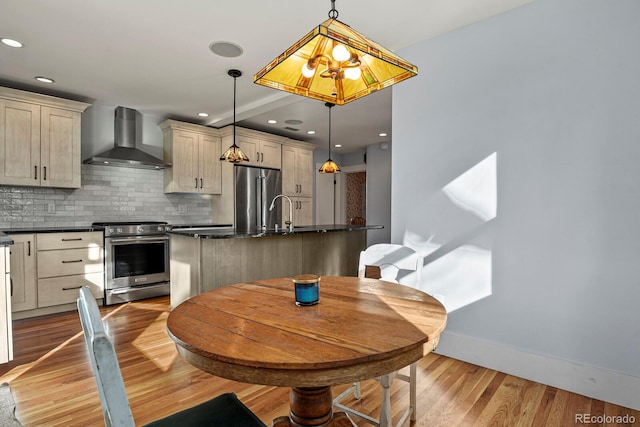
[(134, 230)]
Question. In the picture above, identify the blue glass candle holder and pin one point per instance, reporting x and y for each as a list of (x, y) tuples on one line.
[(307, 288)]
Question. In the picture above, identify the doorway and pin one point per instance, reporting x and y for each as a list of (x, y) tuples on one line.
[(341, 197)]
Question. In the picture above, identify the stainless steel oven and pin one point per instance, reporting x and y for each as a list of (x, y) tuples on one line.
[(136, 260)]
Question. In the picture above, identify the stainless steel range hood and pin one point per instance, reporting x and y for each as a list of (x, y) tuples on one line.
[(125, 153)]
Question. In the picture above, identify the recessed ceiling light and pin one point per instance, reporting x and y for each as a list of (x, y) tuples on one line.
[(338, 145), (11, 42), (311, 132), (203, 114), (42, 79), (382, 134), (273, 122), (226, 49)]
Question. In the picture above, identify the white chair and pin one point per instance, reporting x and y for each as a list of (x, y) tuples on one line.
[(398, 264), (225, 410)]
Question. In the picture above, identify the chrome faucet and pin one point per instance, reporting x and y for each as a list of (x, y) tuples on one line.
[(290, 222)]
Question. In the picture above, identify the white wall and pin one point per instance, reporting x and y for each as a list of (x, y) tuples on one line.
[(379, 193), (516, 171)]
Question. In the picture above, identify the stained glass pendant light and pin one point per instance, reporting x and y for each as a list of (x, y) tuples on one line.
[(234, 154), (329, 166), (334, 63)]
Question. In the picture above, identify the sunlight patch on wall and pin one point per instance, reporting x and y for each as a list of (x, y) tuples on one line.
[(458, 258), (461, 277), (475, 190)]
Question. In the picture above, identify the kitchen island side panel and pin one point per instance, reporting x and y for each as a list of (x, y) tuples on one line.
[(203, 264), (333, 254), (185, 266), (229, 261)]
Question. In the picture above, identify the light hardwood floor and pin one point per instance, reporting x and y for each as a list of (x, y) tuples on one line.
[(53, 384)]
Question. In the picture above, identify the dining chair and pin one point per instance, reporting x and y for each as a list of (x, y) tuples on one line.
[(402, 265), (225, 410)]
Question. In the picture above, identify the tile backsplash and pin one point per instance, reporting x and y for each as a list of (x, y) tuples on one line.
[(107, 194)]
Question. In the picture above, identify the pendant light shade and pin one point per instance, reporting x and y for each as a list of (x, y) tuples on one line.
[(329, 166), (234, 154), (334, 63)]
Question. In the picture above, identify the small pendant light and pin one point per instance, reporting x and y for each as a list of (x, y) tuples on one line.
[(329, 166), (234, 154)]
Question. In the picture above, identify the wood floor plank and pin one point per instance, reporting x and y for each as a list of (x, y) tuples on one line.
[(53, 384)]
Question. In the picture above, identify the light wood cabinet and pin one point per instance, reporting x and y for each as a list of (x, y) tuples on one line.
[(194, 153), (297, 171), (302, 211), (23, 272), (261, 152), (6, 330), (39, 140), (297, 181), (65, 263)]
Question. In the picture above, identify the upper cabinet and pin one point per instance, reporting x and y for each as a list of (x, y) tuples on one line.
[(262, 150), (194, 152), (39, 140), (297, 171)]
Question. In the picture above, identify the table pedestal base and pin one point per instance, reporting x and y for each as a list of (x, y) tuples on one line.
[(312, 406)]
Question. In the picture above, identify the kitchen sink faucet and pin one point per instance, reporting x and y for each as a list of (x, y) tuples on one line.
[(290, 222)]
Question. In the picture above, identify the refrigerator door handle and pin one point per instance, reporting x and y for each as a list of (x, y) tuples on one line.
[(261, 202)]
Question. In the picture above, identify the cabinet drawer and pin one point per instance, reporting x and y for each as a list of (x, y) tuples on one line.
[(82, 239), (64, 290), (70, 261)]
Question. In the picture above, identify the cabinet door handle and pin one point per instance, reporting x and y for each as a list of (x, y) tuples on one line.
[(71, 289), (200, 182), (28, 247), (261, 157), (11, 283), (196, 182), (73, 260), (72, 240), (44, 173), (35, 172)]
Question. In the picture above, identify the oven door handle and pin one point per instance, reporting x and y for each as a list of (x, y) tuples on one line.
[(136, 240)]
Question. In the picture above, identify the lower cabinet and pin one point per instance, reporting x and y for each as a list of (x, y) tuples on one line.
[(23, 272), (6, 330), (302, 211), (48, 269), (65, 263)]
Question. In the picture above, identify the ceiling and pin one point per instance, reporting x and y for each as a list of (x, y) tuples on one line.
[(153, 55)]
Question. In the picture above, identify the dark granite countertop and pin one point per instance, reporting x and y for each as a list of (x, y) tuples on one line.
[(48, 230), (226, 233), (5, 240), (179, 226)]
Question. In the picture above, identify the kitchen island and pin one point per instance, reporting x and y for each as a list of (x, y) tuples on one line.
[(204, 259)]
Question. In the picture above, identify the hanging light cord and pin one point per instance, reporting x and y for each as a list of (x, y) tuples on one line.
[(328, 104), (333, 13), (234, 109)]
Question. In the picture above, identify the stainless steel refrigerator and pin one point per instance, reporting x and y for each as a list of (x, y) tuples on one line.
[(255, 189)]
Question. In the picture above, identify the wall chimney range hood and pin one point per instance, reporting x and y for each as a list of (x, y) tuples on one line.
[(125, 153)]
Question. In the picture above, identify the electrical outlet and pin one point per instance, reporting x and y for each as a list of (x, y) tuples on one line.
[(182, 209), (51, 207)]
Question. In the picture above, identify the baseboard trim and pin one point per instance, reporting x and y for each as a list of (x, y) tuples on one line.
[(590, 381)]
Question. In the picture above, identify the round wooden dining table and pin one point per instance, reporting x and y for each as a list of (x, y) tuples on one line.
[(255, 333)]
